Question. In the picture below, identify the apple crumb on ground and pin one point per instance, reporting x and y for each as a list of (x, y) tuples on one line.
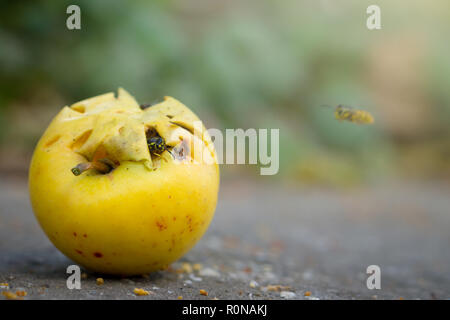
[(185, 268), (100, 281), (21, 293), (276, 288), (141, 292), (197, 266), (10, 295), (203, 292)]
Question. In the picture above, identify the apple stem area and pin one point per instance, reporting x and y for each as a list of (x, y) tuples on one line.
[(103, 166)]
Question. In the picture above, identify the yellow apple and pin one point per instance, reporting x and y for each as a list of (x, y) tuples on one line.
[(132, 211)]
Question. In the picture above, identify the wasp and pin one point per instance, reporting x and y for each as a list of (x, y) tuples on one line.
[(353, 115), (157, 145)]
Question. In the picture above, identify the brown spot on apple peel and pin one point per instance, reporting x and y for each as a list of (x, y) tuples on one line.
[(161, 225), (79, 251), (85, 235), (74, 234), (189, 222), (98, 254)]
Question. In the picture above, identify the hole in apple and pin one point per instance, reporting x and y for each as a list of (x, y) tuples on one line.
[(79, 108), (52, 141), (156, 144), (150, 132), (80, 140), (182, 150)]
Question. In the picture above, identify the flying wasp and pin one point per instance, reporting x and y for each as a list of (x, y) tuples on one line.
[(352, 115)]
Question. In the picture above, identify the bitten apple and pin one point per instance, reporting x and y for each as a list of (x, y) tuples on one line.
[(118, 188)]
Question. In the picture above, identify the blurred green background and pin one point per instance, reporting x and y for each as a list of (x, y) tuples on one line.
[(246, 64)]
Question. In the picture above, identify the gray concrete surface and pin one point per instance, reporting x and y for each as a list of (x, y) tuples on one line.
[(303, 239)]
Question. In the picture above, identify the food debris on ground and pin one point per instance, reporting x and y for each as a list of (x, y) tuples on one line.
[(187, 283), (248, 270), (253, 284), (197, 267), (10, 295), (203, 292), (194, 278), (185, 268), (141, 292), (21, 293), (287, 294), (180, 298), (100, 281), (276, 288), (307, 293), (208, 272), (169, 268)]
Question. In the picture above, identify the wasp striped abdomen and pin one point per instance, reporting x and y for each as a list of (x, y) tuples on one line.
[(353, 115)]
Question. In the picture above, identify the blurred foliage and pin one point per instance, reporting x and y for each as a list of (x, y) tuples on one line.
[(243, 64)]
